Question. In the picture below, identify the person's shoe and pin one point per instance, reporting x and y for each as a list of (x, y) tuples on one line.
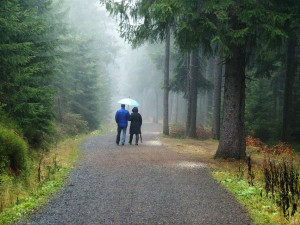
[(136, 144), (122, 143), (117, 143), (130, 143)]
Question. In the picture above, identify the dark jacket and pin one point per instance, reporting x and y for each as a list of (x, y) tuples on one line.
[(136, 121), (122, 116)]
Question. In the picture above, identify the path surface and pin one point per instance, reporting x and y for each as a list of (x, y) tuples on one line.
[(144, 184)]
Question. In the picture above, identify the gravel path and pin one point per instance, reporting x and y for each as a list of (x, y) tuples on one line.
[(144, 184)]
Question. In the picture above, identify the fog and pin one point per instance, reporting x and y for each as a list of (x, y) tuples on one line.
[(132, 73)]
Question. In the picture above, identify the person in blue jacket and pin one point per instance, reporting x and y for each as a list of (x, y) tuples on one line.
[(122, 116)]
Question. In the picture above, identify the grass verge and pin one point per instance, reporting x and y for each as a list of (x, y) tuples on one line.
[(24, 193), (46, 173)]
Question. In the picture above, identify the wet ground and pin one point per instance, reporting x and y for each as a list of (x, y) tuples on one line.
[(144, 184)]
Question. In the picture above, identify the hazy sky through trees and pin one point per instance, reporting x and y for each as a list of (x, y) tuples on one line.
[(124, 71)]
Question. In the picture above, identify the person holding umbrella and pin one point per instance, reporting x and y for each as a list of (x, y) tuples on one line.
[(135, 125), (121, 117)]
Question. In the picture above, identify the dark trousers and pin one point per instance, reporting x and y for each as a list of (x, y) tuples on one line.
[(136, 138)]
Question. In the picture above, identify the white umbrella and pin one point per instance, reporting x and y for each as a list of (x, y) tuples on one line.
[(129, 101)]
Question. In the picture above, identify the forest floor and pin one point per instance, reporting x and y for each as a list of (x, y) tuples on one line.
[(144, 184), (245, 179)]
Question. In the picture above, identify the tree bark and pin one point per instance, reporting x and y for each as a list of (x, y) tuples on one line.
[(205, 107), (170, 106), (199, 118), (204, 95), (288, 89), (60, 116), (232, 139), (176, 107), (193, 93), (188, 94), (201, 107), (166, 82), (210, 77), (274, 113), (156, 107), (217, 98)]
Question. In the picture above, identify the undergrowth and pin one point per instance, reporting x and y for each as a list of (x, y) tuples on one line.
[(21, 194), (262, 211), (177, 130), (272, 175)]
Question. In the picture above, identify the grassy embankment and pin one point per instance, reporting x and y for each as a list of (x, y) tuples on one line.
[(23, 193), (234, 176)]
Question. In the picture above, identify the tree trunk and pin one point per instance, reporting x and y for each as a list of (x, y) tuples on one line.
[(201, 107), (232, 139), (171, 105), (210, 77), (204, 95), (188, 94), (288, 89), (156, 107), (199, 118), (217, 98), (274, 113), (176, 107), (205, 107), (166, 83), (60, 116), (193, 88)]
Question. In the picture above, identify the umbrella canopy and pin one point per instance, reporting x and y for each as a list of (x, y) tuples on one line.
[(129, 101)]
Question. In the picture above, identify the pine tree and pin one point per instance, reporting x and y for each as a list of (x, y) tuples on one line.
[(235, 26), (26, 67), (158, 18)]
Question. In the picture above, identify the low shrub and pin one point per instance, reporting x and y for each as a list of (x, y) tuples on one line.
[(254, 142), (72, 125), (280, 148), (283, 184), (177, 130), (13, 150), (203, 133)]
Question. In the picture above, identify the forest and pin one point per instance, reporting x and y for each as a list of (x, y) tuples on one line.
[(221, 69), (233, 65), (53, 74)]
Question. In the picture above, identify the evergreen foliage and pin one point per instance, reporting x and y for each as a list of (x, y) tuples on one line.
[(82, 84), (179, 81), (52, 78), (259, 110), (25, 75), (252, 38)]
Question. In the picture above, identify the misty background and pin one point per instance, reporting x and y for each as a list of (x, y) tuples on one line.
[(133, 73)]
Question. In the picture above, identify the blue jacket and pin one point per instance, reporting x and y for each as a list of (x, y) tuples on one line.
[(122, 116)]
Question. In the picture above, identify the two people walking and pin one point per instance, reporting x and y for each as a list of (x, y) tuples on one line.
[(122, 117)]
